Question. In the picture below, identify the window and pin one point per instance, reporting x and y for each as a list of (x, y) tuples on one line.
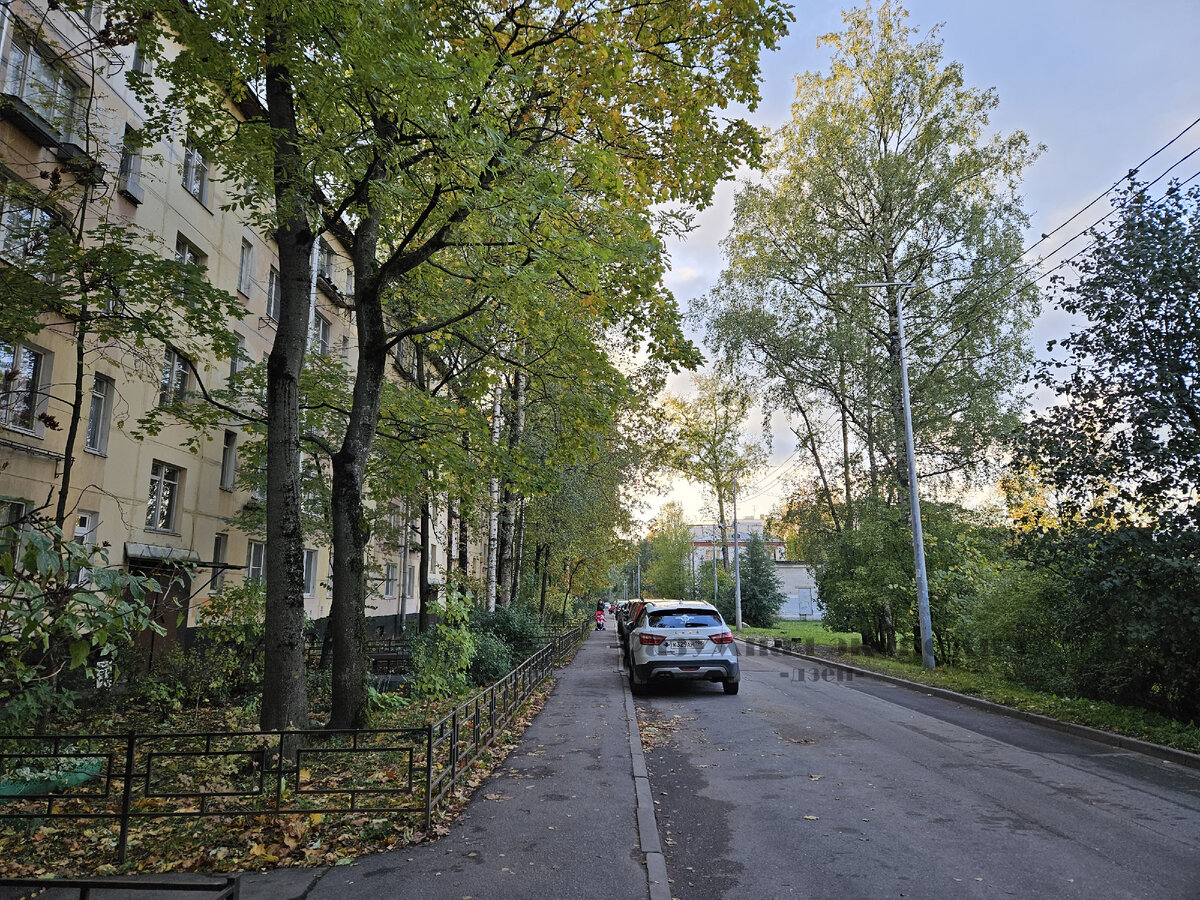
[(391, 574), (11, 514), (195, 171), (255, 560), (186, 252), (409, 578), (310, 573), (48, 88), (324, 261), (349, 281), (220, 549), (24, 229), (229, 461), (237, 360), (129, 172), (99, 415), (22, 369), (175, 373), (273, 295), (245, 268), (321, 335), (164, 497), (140, 63), (85, 534)]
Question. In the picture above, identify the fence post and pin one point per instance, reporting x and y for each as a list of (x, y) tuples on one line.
[(428, 777), (126, 797)]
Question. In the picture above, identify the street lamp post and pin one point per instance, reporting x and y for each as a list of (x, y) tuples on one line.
[(737, 569), (914, 500)]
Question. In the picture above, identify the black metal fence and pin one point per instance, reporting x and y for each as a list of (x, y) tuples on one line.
[(130, 778)]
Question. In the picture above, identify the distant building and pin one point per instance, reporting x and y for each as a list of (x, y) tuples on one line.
[(798, 582), (706, 540)]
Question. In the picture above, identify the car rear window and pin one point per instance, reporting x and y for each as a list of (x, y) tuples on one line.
[(684, 618)]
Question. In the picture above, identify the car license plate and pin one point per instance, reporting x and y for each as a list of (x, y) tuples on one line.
[(687, 645)]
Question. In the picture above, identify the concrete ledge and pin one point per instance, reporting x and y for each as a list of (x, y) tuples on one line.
[(656, 863), (1124, 742)]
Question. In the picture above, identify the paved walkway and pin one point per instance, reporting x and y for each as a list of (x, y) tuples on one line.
[(568, 813)]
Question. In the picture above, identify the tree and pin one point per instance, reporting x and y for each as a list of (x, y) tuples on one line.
[(565, 123), (1119, 458), (761, 593), (884, 174), (669, 573), (707, 443)]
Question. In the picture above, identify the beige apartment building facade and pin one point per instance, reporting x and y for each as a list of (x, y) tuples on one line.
[(151, 499)]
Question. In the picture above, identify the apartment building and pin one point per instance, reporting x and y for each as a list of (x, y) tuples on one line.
[(66, 108)]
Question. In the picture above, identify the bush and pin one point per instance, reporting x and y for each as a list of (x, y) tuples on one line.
[(518, 628), (493, 659)]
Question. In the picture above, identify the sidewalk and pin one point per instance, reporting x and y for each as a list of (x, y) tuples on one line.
[(568, 813)]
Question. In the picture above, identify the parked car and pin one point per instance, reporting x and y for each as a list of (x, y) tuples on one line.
[(680, 640)]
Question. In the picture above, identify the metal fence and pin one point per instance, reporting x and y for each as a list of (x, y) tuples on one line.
[(128, 778)]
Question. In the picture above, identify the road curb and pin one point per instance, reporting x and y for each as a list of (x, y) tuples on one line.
[(656, 862), (1124, 742)]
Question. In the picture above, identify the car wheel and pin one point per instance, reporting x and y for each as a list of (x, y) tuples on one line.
[(637, 688), (731, 687)]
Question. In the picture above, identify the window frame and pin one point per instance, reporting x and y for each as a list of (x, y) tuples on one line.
[(391, 577), (195, 171), (322, 335), (216, 583), (32, 397), (61, 107), (176, 377), (273, 295), (160, 500), (229, 461), (95, 439), (256, 561), (245, 268), (311, 558)]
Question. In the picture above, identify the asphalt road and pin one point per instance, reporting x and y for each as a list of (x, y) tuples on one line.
[(806, 786)]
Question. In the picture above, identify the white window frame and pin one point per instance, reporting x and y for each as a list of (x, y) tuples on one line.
[(86, 523), (162, 507), (23, 396), (48, 87), (245, 268), (216, 583), (322, 335), (229, 461), (310, 572), (187, 253), (237, 359), (176, 378), (255, 561), (195, 171), (273, 298), (24, 228), (324, 261), (391, 575), (129, 170), (99, 415)]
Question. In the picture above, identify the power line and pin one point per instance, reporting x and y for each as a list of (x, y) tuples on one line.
[(1112, 188)]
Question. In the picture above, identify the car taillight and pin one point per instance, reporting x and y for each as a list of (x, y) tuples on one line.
[(652, 639), (723, 638)]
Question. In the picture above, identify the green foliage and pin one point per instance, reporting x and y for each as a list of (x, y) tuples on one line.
[(887, 172), (669, 571), (62, 609), (1109, 498), (761, 594), (442, 655), (493, 659)]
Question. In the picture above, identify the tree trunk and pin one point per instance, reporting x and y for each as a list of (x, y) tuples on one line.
[(493, 512), (285, 692), (68, 464), (724, 539), (518, 551), (427, 594)]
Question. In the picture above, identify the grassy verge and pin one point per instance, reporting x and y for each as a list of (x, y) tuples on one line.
[(1126, 720)]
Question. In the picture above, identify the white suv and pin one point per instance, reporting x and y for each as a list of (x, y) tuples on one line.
[(680, 639)]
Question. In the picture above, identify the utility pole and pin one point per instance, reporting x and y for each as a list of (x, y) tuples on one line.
[(737, 558), (639, 562), (715, 533), (914, 500)]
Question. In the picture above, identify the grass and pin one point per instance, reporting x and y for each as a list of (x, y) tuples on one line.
[(1129, 721), (806, 632)]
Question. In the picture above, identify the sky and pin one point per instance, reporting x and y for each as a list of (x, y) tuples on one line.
[(1101, 83)]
